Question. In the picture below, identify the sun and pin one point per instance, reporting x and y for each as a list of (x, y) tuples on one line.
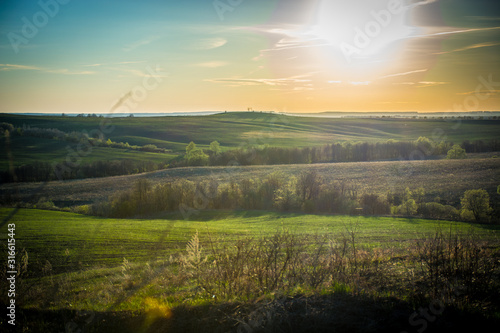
[(363, 32)]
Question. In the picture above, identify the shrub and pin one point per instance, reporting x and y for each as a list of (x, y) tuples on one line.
[(456, 152), (374, 205), (478, 203), (436, 210)]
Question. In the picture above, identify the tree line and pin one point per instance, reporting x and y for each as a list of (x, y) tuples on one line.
[(75, 137), (305, 193), (46, 171), (330, 153)]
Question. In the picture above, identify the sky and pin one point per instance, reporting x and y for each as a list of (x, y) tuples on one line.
[(99, 56)]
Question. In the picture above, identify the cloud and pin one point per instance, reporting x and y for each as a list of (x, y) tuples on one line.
[(442, 32), (269, 82), (12, 67), (286, 37), (210, 43), (139, 43), (487, 93), (471, 47), (115, 63), (422, 2), (424, 84), (158, 72), (404, 74), (68, 72), (211, 64), (359, 83)]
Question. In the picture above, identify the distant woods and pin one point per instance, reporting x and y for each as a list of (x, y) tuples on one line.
[(46, 171), (347, 151), (94, 139), (307, 192)]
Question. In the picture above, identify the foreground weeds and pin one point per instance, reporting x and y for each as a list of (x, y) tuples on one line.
[(282, 282)]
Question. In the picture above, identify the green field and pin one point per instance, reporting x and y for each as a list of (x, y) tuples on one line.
[(225, 270), (47, 234), (134, 275), (254, 128), (27, 150)]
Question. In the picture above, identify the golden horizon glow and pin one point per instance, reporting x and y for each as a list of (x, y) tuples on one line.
[(281, 55)]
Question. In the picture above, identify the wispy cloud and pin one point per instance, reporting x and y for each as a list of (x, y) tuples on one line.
[(424, 84), (211, 64), (115, 63), (487, 93), (210, 43), (13, 67), (359, 83), (471, 47), (287, 37), (141, 73), (443, 32), (269, 82), (405, 73), (139, 43)]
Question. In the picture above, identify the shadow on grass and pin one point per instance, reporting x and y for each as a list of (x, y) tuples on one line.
[(218, 214), (339, 312)]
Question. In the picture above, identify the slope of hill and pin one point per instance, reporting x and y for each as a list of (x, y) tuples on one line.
[(254, 128)]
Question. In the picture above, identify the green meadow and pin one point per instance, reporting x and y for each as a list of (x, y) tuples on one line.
[(149, 275), (222, 270), (237, 129), (103, 241), (28, 150)]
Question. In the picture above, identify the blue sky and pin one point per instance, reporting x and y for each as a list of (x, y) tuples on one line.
[(282, 55)]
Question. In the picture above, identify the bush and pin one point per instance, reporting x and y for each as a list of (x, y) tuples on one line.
[(456, 266), (434, 210), (372, 204), (456, 152)]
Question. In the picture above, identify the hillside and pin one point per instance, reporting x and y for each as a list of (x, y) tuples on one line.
[(447, 179), (253, 128)]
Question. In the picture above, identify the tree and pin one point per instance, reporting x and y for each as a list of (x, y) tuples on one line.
[(190, 147), (372, 204), (456, 152), (409, 206), (308, 185), (476, 202), (215, 147), (195, 156), (285, 198), (425, 145)]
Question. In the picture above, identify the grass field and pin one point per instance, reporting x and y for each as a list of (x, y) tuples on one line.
[(47, 234), (139, 275), (27, 150), (254, 128), (251, 271)]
